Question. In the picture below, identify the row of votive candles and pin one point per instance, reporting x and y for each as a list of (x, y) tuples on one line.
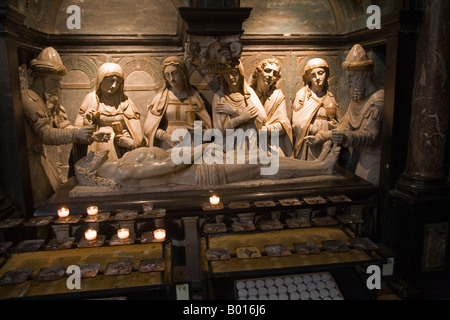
[(64, 212), (122, 233), (93, 210)]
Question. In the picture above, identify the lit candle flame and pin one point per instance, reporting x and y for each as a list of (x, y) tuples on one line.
[(214, 200), (63, 212), (90, 234), (159, 234)]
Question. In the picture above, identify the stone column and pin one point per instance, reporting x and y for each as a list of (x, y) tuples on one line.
[(419, 203), (426, 168), (14, 171)]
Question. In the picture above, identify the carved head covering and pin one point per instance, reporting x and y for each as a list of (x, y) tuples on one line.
[(49, 61), (106, 70), (312, 64), (357, 60), (182, 68)]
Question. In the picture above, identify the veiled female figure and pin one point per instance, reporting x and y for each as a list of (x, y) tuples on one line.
[(113, 113), (314, 109), (176, 106), (236, 106)]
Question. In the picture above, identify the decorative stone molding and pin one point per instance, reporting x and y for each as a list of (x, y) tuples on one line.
[(210, 54), (213, 37)]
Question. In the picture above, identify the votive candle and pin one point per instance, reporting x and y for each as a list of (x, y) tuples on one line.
[(159, 234), (214, 200), (90, 234), (92, 210), (63, 212), (123, 233)]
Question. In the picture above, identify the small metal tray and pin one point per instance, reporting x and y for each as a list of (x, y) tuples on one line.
[(339, 198), (115, 241), (243, 226), (119, 268), (38, 221), (324, 221), (28, 245), (155, 213), (307, 247), (249, 252), (277, 250), (10, 223), (335, 246), (50, 273), (89, 270), (265, 203), (270, 225), (209, 207), (315, 200), (216, 254), (363, 244), (60, 244), (69, 219), (99, 217), (15, 276), (297, 223), (214, 228), (98, 242), (290, 202), (126, 215), (152, 265), (239, 205)]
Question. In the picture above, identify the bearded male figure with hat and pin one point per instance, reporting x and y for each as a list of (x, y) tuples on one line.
[(46, 123), (360, 128)]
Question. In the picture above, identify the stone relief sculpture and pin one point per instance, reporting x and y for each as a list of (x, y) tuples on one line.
[(314, 109), (264, 82), (176, 106), (236, 106), (360, 127), (153, 166), (114, 115), (47, 124)]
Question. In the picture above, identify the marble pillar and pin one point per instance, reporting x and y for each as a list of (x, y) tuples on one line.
[(426, 168), (419, 204)]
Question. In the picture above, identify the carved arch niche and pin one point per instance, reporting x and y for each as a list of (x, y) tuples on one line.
[(80, 79), (142, 79)]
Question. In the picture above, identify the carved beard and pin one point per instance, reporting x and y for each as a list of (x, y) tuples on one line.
[(51, 101), (51, 96), (357, 90)]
